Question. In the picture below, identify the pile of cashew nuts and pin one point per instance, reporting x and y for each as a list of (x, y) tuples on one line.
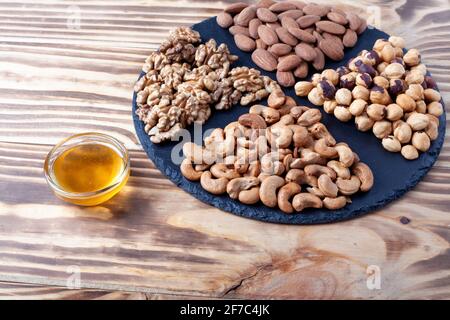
[(282, 156)]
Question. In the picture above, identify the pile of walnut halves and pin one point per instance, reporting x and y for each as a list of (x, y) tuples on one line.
[(281, 155), (185, 78)]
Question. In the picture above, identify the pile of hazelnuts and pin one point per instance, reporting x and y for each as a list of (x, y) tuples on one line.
[(386, 90)]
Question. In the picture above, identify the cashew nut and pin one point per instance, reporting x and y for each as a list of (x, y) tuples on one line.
[(315, 191), (309, 117), (300, 136), (325, 149), (254, 169), (221, 170), (285, 194), (189, 172), (320, 131), (214, 186), (296, 175), (317, 170), (305, 200), (327, 186), (270, 115), (249, 196), (268, 190), (253, 121), (346, 156), (283, 136), (197, 155), (334, 203), (235, 186), (341, 171), (348, 186), (364, 174)]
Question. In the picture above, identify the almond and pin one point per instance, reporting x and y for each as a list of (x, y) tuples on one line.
[(330, 27), (294, 14), (234, 30), (244, 43), (305, 51), (289, 62), (236, 7), (264, 3), (280, 49), (337, 17), (273, 25), (350, 38), (286, 37), (253, 26), (264, 59), (333, 38), (319, 61), (260, 44), (331, 50), (302, 70), (245, 16), (285, 78), (265, 15), (316, 10), (224, 20), (353, 21), (288, 22), (299, 4), (302, 35), (362, 27), (267, 35), (282, 6), (307, 20)]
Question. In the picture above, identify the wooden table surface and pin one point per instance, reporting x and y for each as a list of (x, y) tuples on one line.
[(153, 240)]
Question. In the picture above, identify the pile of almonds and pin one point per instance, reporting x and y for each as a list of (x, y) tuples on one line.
[(288, 36), (282, 156), (385, 90)]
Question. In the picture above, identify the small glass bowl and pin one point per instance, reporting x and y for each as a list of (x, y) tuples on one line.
[(87, 198)]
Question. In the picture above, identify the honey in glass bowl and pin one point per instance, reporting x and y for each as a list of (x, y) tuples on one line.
[(87, 169)]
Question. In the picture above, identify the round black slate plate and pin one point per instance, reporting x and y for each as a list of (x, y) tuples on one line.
[(393, 174)]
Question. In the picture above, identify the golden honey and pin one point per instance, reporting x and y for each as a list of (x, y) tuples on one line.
[(87, 169)]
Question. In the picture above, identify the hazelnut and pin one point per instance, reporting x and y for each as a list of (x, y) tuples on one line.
[(381, 129), (417, 121), (412, 57), (331, 75), (406, 102), (326, 89), (381, 67), (371, 57), (348, 80), (343, 96), (397, 41), (362, 67), (379, 44), (391, 144), (342, 70), (315, 97), (415, 91), (354, 63), (328, 106), (394, 112), (357, 107), (403, 132), (398, 60), (387, 53), (431, 95), (364, 122), (315, 79), (409, 152), (360, 92), (421, 141), (421, 106), (363, 79), (399, 52), (302, 88), (414, 77), (342, 113), (397, 86), (431, 84), (381, 82), (435, 108), (432, 130), (379, 95), (376, 111), (394, 71), (420, 68)]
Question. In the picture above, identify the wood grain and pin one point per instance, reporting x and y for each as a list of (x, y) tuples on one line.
[(153, 239)]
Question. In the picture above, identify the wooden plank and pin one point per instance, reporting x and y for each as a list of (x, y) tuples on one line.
[(157, 239)]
